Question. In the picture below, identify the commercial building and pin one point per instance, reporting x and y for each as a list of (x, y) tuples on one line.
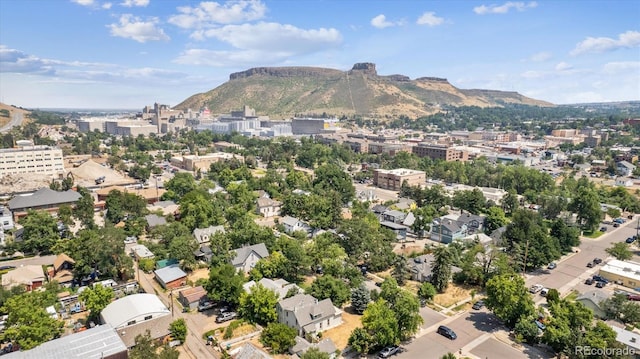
[(136, 314), (42, 199), (24, 159), (393, 179), (440, 152), (623, 272), (312, 126), (202, 163)]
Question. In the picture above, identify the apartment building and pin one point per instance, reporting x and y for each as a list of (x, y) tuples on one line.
[(440, 152), (24, 159), (393, 179)]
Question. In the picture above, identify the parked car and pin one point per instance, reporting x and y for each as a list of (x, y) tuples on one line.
[(389, 351), (552, 265), (590, 265), (630, 240), (540, 325), (423, 302), (478, 305), (225, 317), (7, 267), (633, 297), (600, 284), (544, 291), (205, 306), (619, 220), (597, 260), (603, 229), (535, 288), (447, 332), (616, 225), (598, 278), (589, 281)]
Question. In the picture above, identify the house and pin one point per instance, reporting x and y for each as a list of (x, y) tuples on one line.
[(246, 257), (203, 235), (268, 207), (61, 271), (307, 315), (623, 182), (140, 251), (379, 209), (473, 222), (166, 207), (398, 229), (292, 224), (153, 220), (43, 199), (421, 267), (630, 340), (136, 314), (593, 300), (30, 276), (405, 204), (625, 273), (280, 286), (393, 216), (248, 351), (302, 346), (6, 218), (204, 253), (171, 277), (446, 230), (191, 297), (625, 168), (99, 342)]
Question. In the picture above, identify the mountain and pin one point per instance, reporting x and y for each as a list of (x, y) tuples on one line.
[(285, 91), (7, 112)]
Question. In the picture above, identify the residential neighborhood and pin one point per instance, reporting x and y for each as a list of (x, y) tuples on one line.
[(338, 240)]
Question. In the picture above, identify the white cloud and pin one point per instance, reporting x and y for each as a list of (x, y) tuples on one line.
[(203, 57), (531, 74), (624, 67), (132, 3), (381, 22), (209, 13), (504, 8), (83, 2), (132, 27), (563, 66), (626, 40), (540, 56), (430, 19), (107, 5)]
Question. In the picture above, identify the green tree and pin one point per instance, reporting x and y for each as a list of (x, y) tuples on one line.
[(40, 232), (96, 299), (315, 353), (567, 237), (360, 298), (259, 305), (64, 215), (360, 340), (449, 356), (427, 291), (527, 238), (177, 187), (28, 324), (147, 348), (510, 201), (401, 271), (381, 324), (526, 330), (586, 205), (508, 298), (178, 329), (197, 210), (331, 177), (330, 287), (553, 296), (225, 283), (84, 209), (620, 250), (407, 311), (182, 248), (495, 219), (278, 337), (471, 201), (441, 271)]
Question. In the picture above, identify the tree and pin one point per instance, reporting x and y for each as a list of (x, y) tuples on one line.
[(528, 239), (259, 305), (182, 248), (197, 210), (147, 348), (279, 337), (40, 232), (177, 187), (331, 177), (401, 271), (225, 283), (510, 201), (96, 299), (472, 201), (495, 219), (586, 205), (427, 291), (84, 209), (64, 215), (441, 271), (567, 237), (360, 298), (407, 311), (381, 324), (508, 298), (315, 353), (178, 329), (330, 287), (28, 324), (553, 296), (449, 356), (360, 340), (620, 250), (526, 330)]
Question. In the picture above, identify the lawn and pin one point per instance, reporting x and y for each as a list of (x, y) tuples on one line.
[(572, 296), (452, 295), (594, 234), (340, 334)]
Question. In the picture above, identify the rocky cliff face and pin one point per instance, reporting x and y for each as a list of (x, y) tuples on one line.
[(285, 72)]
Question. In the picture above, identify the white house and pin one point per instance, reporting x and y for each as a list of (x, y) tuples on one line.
[(246, 257), (203, 235), (292, 224), (307, 315), (625, 168), (268, 207)]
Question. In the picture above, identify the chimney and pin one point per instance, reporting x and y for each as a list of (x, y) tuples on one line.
[(633, 339)]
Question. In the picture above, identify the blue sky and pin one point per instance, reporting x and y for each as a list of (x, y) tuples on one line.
[(130, 53)]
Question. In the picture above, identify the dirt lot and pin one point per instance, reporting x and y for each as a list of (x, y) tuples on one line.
[(340, 335), (198, 274), (452, 295)]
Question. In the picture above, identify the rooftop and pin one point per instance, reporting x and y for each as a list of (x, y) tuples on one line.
[(622, 268), (122, 310), (43, 197)]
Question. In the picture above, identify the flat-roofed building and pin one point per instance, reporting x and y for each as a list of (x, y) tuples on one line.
[(45, 160), (440, 152), (312, 126), (625, 273), (393, 179)]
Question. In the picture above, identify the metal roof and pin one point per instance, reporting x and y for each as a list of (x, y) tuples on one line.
[(169, 274), (123, 310), (43, 197)]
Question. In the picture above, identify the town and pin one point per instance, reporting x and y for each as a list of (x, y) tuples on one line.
[(165, 233)]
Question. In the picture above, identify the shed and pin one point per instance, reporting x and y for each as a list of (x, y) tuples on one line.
[(171, 277), (191, 297)]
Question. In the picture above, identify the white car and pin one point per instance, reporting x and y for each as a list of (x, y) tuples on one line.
[(544, 291), (536, 288)]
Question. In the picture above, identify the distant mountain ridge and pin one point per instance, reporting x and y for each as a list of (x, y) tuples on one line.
[(286, 91)]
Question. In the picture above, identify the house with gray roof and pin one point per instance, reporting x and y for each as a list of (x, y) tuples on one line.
[(451, 227), (204, 253), (280, 286), (246, 257), (153, 220), (43, 199), (292, 224), (302, 346), (393, 216), (268, 207), (625, 168), (630, 340), (307, 315), (203, 235), (248, 351), (171, 277), (421, 267), (593, 300)]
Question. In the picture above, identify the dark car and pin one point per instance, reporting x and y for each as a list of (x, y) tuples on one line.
[(603, 229), (447, 332), (590, 265), (597, 260), (225, 317), (600, 284), (389, 351), (589, 281), (478, 305), (630, 240), (598, 278), (616, 225), (423, 302)]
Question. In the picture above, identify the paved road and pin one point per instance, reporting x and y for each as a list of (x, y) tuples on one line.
[(573, 270), (16, 120)]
